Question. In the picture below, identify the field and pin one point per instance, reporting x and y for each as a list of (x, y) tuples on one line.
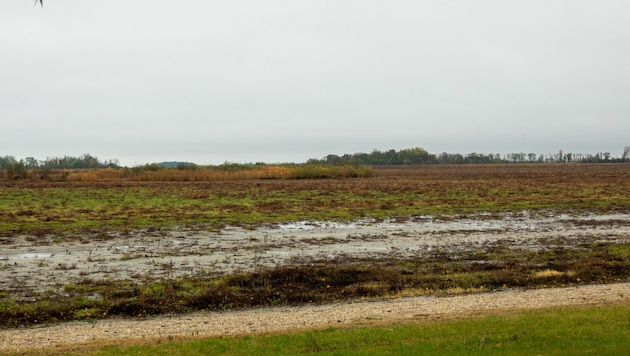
[(121, 203), (106, 244)]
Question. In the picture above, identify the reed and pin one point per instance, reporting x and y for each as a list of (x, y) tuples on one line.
[(154, 173)]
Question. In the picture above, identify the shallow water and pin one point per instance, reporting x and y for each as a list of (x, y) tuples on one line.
[(28, 265), (21, 256)]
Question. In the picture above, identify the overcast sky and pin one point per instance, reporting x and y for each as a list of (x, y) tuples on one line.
[(284, 81)]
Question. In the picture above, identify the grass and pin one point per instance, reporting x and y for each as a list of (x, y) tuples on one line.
[(41, 207), (602, 330)]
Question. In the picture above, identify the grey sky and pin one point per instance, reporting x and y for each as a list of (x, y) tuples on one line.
[(284, 81)]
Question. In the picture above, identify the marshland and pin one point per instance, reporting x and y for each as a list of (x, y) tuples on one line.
[(93, 244)]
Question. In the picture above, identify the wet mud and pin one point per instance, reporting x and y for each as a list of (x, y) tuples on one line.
[(31, 265)]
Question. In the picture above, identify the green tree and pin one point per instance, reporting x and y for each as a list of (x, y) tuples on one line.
[(17, 170), (31, 162), (415, 155), (457, 159), (7, 161), (333, 159)]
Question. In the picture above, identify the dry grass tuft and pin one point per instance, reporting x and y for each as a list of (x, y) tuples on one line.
[(548, 273)]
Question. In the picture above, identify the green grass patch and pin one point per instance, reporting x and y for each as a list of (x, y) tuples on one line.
[(602, 330)]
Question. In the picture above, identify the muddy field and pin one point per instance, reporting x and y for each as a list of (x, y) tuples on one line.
[(31, 266)]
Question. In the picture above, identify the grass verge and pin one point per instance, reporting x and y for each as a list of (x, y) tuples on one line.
[(601, 330)]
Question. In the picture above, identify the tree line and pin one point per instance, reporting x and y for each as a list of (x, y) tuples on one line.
[(17, 168), (419, 155)]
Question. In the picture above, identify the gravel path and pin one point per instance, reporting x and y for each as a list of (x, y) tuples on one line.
[(78, 335)]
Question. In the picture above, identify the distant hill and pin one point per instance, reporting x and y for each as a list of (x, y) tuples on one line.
[(175, 164)]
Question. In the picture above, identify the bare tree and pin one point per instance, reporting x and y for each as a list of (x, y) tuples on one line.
[(41, 2)]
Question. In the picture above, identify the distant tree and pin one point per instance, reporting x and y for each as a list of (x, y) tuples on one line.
[(361, 158), (17, 170), (41, 2), (7, 161), (531, 157), (84, 161), (415, 155), (31, 162), (457, 159), (377, 157), (391, 157), (474, 158), (444, 158), (333, 159)]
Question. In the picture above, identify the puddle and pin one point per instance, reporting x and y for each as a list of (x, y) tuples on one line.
[(26, 267), (30, 255), (311, 225)]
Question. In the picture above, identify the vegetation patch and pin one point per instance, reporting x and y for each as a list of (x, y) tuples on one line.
[(106, 205)]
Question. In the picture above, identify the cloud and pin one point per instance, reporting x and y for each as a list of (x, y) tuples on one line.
[(280, 81)]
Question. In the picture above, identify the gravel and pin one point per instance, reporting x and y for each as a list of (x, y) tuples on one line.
[(82, 336)]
